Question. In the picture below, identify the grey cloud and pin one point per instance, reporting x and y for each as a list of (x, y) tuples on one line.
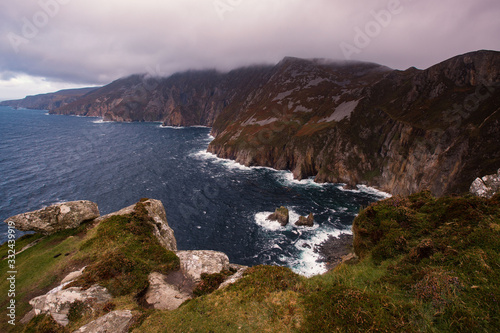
[(94, 42)]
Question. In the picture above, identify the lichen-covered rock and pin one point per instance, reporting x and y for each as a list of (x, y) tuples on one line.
[(156, 211), (305, 221), (57, 217), (194, 263), (164, 296), (280, 215), (486, 186), (57, 302), (116, 321)]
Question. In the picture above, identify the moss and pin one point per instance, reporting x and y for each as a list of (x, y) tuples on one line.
[(210, 282), (43, 324), (132, 252)]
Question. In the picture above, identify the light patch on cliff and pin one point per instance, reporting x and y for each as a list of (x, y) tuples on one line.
[(342, 111)]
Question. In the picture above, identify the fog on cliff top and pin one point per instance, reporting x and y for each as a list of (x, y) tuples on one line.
[(47, 45)]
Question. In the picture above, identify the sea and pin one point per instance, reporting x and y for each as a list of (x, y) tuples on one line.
[(211, 203)]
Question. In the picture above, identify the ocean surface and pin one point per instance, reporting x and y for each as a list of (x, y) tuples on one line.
[(211, 203)]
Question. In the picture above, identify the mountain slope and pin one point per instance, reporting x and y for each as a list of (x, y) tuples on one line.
[(48, 101), (401, 131), (347, 122)]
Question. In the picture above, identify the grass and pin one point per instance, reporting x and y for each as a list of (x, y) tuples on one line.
[(119, 254), (426, 265)]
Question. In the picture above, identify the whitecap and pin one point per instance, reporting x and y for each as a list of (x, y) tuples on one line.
[(365, 189), (230, 164), (172, 127), (308, 264)]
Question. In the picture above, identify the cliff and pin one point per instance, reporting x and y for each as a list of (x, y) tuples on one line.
[(48, 101), (183, 99), (401, 131), (345, 122)]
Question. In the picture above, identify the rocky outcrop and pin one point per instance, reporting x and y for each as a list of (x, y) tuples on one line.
[(116, 321), (305, 221), (57, 217), (57, 303), (194, 263), (167, 295), (280, 215), (486, 186), (156, 211)]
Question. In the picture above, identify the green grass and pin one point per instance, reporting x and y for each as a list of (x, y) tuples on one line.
[(426, 265), (118, 254)]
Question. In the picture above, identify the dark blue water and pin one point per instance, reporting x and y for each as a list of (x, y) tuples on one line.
[(211, 203)]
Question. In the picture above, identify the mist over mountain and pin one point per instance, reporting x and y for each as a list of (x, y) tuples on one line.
[(347, 122)]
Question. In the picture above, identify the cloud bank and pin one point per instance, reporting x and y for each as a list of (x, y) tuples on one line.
[(75, 42)]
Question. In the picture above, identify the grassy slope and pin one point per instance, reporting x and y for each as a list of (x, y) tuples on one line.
[(427, 265), (119, 254)]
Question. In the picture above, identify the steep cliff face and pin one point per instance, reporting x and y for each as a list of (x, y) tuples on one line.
[(351, 122), (183, 99), (49, 101), (402, 131)]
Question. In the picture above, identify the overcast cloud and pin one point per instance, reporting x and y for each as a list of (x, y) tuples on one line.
[(46, 45)]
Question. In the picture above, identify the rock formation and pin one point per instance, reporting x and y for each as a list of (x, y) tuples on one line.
[(116, 321), (57, 217), (305, 221), (194, 263), (57, 303), (486, 186), (164, 291), (280, 215)]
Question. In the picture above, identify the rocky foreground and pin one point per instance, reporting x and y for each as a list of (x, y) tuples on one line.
[(421, 264), (165, 288)]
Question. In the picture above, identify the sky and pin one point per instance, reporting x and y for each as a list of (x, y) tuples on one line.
[(47, 45)]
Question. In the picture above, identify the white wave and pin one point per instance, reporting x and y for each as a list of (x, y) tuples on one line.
[(172, 127), (230, 164), (261, 219), (101, 121), (308, 263), (365, 189), (288, 179)]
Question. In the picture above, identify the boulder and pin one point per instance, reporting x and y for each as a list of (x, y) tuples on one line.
[(116, 321), (57, 302), (486, 186), (164, 296), (156, 211), (57, 217), (194, 263), (305, 221), (280, 215)]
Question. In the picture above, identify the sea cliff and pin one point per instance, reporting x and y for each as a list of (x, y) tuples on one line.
[(346, 122)]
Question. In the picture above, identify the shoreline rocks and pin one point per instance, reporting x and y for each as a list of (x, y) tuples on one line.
[(280, 215), (305, 221), (336, 250)]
